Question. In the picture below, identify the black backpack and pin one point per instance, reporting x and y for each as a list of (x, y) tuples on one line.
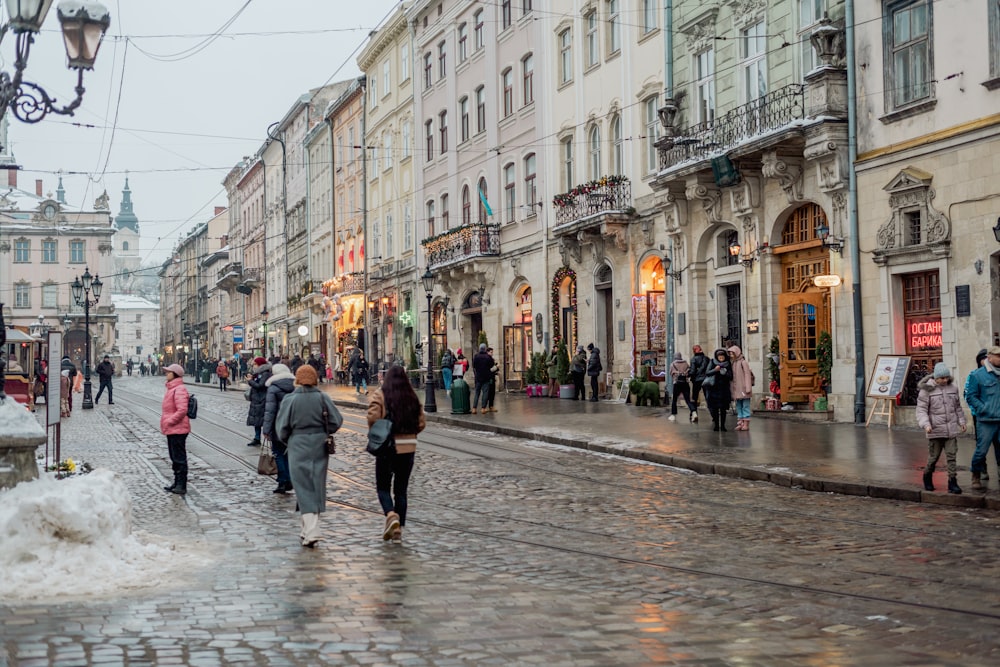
[(192, 407)]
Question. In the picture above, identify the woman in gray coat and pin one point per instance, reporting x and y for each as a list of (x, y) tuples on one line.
[(301, 427)]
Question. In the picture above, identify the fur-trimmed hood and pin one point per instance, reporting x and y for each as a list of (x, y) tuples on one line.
[(279, 372)]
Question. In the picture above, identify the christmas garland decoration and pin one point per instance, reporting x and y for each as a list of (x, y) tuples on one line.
[(562, 274)]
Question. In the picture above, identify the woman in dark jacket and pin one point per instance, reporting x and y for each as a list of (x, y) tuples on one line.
[(302, 426), (718, 395), (258, 397), (594, 368), (396, 399), (280, 384)]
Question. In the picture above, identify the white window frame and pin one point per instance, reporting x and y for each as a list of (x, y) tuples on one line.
[(704, 72), (567, 163), (809, 14), (618, 138), (507, 91), (406, 138), (510, 192), (650, 9), (53, 256), (77, 257), (594, 150), (531, 181), (50, 295), (566, 56), (753, 61), (478, 30), (404, 62), (528, 79), (22, 295), (652, 123), (463, 42), (22, 251), (386, 79), (407, 227), (614, 27), (898, 86), (593, 40), (389, 250)]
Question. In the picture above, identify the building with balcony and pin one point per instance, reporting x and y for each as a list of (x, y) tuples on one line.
[(752, 179), (927, 173), (392, 239), (137, 329)]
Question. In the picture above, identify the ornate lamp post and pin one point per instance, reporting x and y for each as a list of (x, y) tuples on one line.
[(83, 26), (430, 403), (82, 289), (264, 314)]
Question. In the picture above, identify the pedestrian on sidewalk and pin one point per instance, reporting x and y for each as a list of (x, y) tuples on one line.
[(105, 371), (461, 364), (447, 369), (174, 424), (303, 420), (257, 379), (980, 358), (594, 368), (681, 386), (577, 369), (280, 384), (482, 364), (551, 367), (699, 369), (741, 387), (223, 372), (65, 394), (359, 371), (718, 395), (983, 397), (491, 393), (940, 414), (397, 400), (66, 364)]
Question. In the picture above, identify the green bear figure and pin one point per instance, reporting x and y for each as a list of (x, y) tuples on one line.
[(646, 393)]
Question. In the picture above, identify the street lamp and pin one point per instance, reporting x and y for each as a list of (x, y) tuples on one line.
[(82, 289), (264, 315), (83, 26), (430, 403)]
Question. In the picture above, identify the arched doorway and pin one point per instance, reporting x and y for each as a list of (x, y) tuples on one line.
[(604, 310), (472, 311), (518, 345), (803, 308), (649, 310), (75, 347), (564, 307)]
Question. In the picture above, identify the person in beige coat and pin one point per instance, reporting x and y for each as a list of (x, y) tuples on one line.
[(940, 414), (397, 401), (741, 388)]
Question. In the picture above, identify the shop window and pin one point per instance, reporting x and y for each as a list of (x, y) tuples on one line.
[(922, 319)]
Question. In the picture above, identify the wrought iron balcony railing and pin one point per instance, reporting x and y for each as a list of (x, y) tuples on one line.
[(232, 271), (349, 283), (461, 244), (606, 194), (252, 275), (766, 114)]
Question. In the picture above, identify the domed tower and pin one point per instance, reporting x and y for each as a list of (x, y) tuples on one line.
[(127, 257)]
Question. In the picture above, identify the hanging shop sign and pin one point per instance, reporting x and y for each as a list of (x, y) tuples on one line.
[(826, 281)]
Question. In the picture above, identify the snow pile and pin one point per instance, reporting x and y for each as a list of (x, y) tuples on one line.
[(17, 421), (73, 537)]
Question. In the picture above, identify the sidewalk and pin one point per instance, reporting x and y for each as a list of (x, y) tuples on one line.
[(827, 458)]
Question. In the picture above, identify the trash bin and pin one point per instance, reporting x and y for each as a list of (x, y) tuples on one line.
[(460, 397), (206, 375)]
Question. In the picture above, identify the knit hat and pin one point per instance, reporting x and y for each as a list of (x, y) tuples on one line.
[(259, 361), (579, 348), (678, 356), (306, 376), (482, 347), (941, 370), (980, 356), (176, 369), (590, 347)]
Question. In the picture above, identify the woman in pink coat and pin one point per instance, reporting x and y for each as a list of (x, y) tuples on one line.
[(741, 388), (174, 424)]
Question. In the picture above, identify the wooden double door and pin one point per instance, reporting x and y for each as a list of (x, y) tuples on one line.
[(803, 313)]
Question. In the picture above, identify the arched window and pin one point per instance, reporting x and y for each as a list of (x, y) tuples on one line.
[(466, 206), (802, 224), (618, 157), (594, 144), (530, 189), (124, 245), (483, 198)]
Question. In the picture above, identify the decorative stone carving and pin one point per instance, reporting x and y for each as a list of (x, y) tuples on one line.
[(617, 233), (910, 193), (787, 171), (102, 203), (569, 248), (6, 203), (746, 12), (711, 199), (838, 208), (745, 196), (829, 43), (593, 238), (675, 212), (700, 28), (646, 226)]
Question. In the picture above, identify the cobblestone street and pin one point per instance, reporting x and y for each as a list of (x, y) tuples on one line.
[(542, 556)]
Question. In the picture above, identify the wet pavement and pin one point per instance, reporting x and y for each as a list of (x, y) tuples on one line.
[(555, 556)]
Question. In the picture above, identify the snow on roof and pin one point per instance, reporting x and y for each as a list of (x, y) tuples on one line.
[(130, 302)]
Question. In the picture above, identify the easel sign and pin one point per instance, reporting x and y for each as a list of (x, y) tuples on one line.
[(886, 382)]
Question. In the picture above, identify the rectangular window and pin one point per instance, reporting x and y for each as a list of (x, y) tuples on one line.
[(530, 187), (566, 56), (389, 250), (652, 134), (993, 16), (525, 7), (138, 334), (407, 227), (463, 119), (442, 60), (463, 42), (705, 84), (443, 131), (528, 75), (753, 47), (49, 252), (430, 218), (50, 295), (76, 252), (22, 295), (478, 29), (428, 71), (404, 61), (406, 139), (909, 48), (386, 81), (373, 92), (509, 193), (480, 110), (912, 229), (507, 82), (567, 159), (614, 27), (445, 217), (504, 14), (22, 252), (387, 151), (649, 9), (593, 48), (429, 139), (810, 12), (375, 244)]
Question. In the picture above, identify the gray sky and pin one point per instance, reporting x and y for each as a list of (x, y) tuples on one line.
[(226, 92)]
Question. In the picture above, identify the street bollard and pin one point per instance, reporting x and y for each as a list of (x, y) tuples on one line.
[(460, 397)]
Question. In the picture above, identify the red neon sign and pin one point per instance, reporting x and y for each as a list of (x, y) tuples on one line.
[(924, 333)]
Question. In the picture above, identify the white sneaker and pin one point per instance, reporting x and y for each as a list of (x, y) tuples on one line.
[(694, 417), (672, 418)]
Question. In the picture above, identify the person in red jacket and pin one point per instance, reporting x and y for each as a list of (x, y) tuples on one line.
[(174, 424)]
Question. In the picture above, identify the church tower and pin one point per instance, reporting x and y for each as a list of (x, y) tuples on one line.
[(126, 252)]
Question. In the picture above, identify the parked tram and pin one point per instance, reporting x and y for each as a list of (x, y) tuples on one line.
[(26, 379)]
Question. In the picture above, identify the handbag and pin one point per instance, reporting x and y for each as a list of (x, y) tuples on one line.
[(709, 381), (266, 465), (380, 440), (246, 393), (331, 445)]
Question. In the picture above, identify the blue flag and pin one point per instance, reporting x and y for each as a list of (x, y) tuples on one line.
[(486, 204)]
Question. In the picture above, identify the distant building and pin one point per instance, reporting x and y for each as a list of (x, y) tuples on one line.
[(137, 331)]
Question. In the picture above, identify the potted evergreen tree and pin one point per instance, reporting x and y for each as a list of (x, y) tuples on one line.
[(566, 389), (530, 379), (538, 360)]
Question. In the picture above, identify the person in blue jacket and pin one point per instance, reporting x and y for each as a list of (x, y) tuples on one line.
[(982, 393)]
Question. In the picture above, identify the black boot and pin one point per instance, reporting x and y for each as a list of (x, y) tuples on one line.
[(179, 489), (929, 484), (172, 486), (953, 486), (722, 420)]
